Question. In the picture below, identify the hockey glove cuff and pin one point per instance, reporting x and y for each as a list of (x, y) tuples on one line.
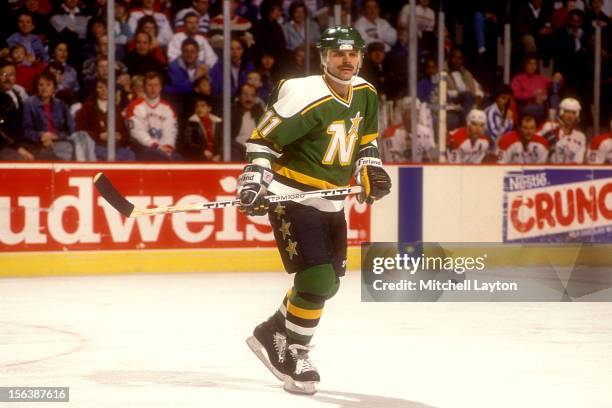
[(252, 187), (373, 178)]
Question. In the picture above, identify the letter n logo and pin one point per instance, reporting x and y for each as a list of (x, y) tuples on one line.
[(341, 144)]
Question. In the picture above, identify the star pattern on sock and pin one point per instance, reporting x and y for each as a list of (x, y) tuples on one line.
[(280, 211), (284, 229), (291, 249)]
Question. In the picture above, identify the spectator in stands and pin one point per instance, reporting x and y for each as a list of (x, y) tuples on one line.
[(561, 14), (374, 68), (96, 28), (397, 139), (12, 98), (425, 86), (26, 70), (533, 29), (500, 114), (92, 119), (397, 58), (567, 143), (35, 50), (95, 8), (200, 8), (325, 15), (47, 122), (425, 21), (268, 33), (296, 66), (373, 28), (464, 91), (600, 149), (65, 95), (70, 80), (141, 60), (123, 32), (164, 30), (295, 28), (152, 123), (92, 70), (250, 9), (239, 27), (571, 55), (531, 89), (136, 88), (201, 86), (523, 145), (425, 17), (190, 30), (254, 79), (69, 22), (201, 138), (481, 32), (245, 113), (596, 16), (239, 70), (469, 144), (185, 69), (268, 68), (148, 25), (39, 15)]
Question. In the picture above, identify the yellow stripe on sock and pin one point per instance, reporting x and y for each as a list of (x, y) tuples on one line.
[(304, 313)]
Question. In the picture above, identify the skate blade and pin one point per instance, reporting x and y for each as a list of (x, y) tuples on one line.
[(300, 387), (259, 350)]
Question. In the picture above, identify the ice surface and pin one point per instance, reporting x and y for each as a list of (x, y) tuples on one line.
[(178, 341)]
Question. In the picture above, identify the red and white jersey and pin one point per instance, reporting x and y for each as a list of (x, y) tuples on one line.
[(565, 147), (512, 149), (152, 122), (396, 146), (462, 149), (600, 150)]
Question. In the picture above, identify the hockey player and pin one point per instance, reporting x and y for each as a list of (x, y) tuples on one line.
[(316, 133), (397, 141), (469, 144), (600, 150), (567, 144), (523, 145)]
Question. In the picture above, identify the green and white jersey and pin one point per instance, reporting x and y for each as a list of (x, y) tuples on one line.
[(311, 135)]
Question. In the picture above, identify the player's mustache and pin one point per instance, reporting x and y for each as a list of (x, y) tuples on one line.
[(346, 66)]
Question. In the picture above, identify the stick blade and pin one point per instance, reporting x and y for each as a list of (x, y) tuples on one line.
[(110, 194)]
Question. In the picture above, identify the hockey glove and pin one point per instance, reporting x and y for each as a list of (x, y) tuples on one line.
[(252, 187), (373, 178)]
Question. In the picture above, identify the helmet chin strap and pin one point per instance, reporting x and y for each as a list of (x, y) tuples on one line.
[(334, 77)]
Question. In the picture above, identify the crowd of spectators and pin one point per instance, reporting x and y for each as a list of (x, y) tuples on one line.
[(169, 76)]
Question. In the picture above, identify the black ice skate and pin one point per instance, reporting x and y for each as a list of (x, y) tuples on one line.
[(269, 344), (304, 377)]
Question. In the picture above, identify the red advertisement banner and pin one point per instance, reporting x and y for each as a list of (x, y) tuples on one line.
[(56, 208)]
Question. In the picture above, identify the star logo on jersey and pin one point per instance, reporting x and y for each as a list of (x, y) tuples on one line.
[(355, 123), (284, 229), (291, 249), (279, 210)]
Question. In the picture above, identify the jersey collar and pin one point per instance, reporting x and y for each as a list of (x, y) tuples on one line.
[(346, 102)]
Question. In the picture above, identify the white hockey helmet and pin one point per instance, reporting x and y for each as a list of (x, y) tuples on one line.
[(476, 116), (571, 105)]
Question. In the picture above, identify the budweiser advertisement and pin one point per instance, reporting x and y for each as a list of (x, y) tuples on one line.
[(558, 205), (55, 207)]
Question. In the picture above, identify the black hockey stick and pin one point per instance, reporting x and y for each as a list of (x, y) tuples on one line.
[(121, 204)]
